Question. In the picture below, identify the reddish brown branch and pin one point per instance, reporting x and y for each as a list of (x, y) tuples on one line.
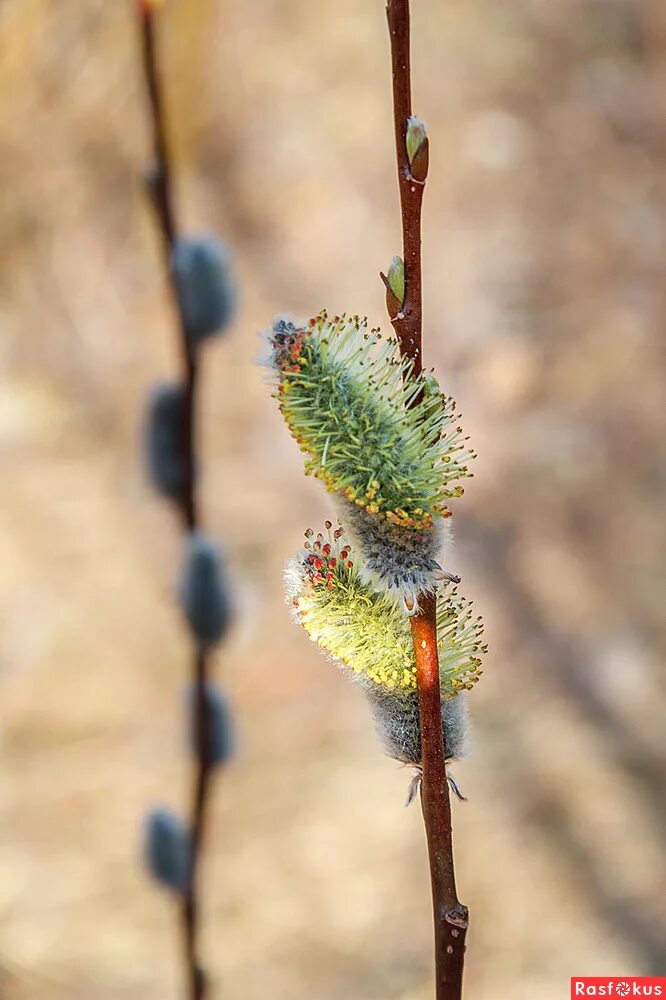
[(450, 916), (159, 184), (407, 321)]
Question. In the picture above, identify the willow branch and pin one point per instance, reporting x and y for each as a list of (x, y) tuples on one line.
[(407, 320), (159, 184), (450, 915)]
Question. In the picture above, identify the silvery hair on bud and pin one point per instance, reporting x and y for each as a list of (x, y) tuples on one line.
[(401, 561), (206, 290), (167, 849), (398, 723), (203, 591), (221, 740), (164, 439)]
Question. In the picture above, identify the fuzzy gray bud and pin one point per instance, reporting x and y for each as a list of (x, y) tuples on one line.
[(206, 291), (398, 723), (402, 562), (167, 849), (204, 592), (218, 725), (164, 440)]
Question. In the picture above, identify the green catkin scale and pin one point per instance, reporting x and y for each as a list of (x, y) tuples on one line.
[(365, 632), (386, 443)]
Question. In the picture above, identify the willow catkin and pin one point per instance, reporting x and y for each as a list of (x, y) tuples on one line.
[(366, 633), (386, 443)]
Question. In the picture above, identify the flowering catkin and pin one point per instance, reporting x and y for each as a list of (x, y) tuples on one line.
[(387, 443), (367, 633), (218, 725), (206, 291), (164, 439), (167, 849), (204, 592)]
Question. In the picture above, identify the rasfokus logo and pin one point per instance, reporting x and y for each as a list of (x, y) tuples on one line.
[(619, 986)]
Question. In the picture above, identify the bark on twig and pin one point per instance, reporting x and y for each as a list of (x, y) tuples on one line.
[(450, 915)]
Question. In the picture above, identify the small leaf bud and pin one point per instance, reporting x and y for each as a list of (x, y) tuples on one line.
[(395, 285), (417, 148)]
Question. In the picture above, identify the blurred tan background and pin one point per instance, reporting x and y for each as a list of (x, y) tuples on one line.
[(544, 250)]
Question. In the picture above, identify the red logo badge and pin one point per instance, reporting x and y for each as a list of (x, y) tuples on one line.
[(618, 986)]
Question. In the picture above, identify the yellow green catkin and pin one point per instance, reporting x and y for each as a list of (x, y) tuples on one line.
[(367, 634), (365, 631), (388, 445)]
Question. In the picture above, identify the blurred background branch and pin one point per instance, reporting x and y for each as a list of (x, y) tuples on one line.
[(196, 272)]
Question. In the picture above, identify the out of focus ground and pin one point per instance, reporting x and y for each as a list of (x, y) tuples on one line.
[(544, 259)]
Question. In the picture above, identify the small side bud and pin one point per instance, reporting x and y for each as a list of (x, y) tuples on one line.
[(416, 141), (206, 292), (396, 278), (203, 591), (395, 286), (416, 136), (164, 440), (167, 849), (218, 725)]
